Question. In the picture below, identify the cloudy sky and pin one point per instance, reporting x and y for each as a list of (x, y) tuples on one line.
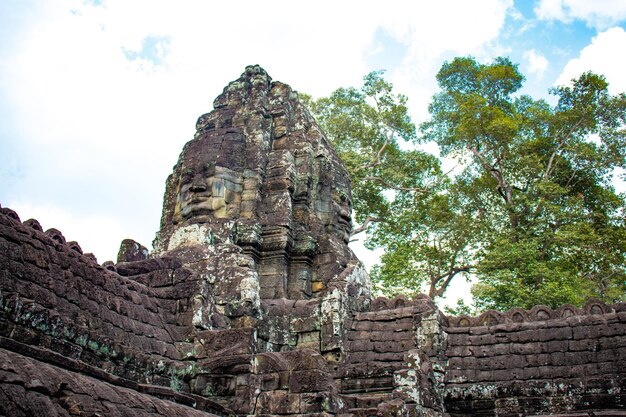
[(97, 98)]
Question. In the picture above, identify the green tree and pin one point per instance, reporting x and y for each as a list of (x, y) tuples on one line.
[(430, 241), (400, 195), (538, 180), (533, 214), (366, 126)]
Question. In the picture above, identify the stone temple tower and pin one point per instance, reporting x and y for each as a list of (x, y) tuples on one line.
[(260, 188)]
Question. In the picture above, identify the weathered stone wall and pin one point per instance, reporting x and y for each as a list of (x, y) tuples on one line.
[(538, 362), (290, 324), (126, 331), (297, 382), (253, 303), (31, 387), (388, 369), (55, 298), (50, 287), (130, 338)]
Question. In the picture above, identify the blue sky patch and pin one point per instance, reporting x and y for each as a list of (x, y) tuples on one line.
[(153, 49), (386, 51)]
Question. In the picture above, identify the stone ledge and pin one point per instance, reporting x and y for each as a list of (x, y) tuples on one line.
[(540, 313), (71, 365)]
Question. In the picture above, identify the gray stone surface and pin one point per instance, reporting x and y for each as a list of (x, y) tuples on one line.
[(253, 304)]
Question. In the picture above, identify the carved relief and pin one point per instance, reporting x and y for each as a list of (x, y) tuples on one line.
[(207, 187), (261, 175)]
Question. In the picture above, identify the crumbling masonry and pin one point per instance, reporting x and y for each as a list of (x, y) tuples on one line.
[(252, 304)]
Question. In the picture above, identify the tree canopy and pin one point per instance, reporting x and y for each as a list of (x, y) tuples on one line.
[(532, 214), (366, 126)]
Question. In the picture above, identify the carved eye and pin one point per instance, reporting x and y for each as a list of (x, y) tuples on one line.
[(186, 176), (208, 170)]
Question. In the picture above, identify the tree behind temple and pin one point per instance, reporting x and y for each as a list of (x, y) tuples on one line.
[(539, 179), (533, 214), (400, 195)]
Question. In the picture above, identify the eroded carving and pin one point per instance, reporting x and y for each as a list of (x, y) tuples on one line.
[(261, 183), (206, 188)]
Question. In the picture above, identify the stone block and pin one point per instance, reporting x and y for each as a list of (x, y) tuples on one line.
[(308, 340), (277, 402), (362, 325), (240, 341), (315, 403), (458, 339), (307, 324), (312, 380), (460, 376), (270, 382)]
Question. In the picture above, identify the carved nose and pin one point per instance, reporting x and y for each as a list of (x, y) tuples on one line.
[(198, 186)]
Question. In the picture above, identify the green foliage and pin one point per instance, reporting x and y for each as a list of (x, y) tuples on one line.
[(400, 195), (460, 309), (365, 126), (532, 215), (540, 179), (430, 241)]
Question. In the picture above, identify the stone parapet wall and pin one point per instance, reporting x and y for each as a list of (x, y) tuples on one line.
[(537, 313), (31, 387), (537, 362), (127, 324), (129, 327), (124, 331), (385, 371), (54, 296)]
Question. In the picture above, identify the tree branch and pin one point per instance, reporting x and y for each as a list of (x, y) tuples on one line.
[(490, 168), (380, 152), (504, 189), (453, 272), (561, 143), (365, 225), (394, 187)]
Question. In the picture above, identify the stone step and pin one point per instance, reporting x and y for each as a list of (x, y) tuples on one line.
[(366, 400), (372, 400), (363, 412), (364, 385)]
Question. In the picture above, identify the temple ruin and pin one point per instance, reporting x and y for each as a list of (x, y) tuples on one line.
[(252, 303)]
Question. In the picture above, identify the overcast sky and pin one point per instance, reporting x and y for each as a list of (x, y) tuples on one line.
[(97, 98)]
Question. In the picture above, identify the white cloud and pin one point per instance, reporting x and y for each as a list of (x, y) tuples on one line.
[(97, 125), (551, 10), (466, 30), (536, 63), (602, 57), (600, 14), (96, 234)]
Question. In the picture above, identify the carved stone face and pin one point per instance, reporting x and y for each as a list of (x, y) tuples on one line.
[(334, 208), (206, 189), (341, 225)]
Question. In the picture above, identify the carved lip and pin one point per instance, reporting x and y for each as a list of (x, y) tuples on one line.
[(198, 199)]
